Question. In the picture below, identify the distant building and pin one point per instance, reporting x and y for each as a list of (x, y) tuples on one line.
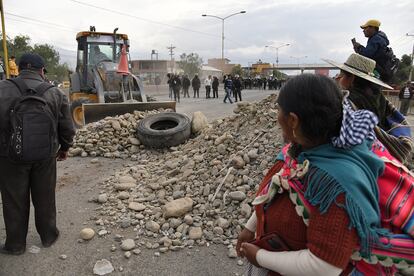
[(259, 67), (221, 64), (210, 71), (153, 72)]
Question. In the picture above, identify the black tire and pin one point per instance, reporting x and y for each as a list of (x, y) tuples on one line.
[(162, 130), (77, 112)]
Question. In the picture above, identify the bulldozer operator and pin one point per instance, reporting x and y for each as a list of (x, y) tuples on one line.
[(98, 56)]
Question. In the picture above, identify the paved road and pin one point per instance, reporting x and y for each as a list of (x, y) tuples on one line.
[(213, 108)]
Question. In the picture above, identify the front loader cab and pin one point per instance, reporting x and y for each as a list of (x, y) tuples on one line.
[(95, 49)]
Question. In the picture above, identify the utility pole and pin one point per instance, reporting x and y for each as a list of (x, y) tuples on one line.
[(3, 30), (171, 49), (412, 57)]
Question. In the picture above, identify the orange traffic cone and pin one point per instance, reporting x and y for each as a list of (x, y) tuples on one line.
[(123, 62)]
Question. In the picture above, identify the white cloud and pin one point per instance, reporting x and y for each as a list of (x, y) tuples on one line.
[(318, 28)]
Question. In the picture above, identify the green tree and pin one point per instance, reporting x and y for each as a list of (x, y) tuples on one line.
[(20, 44), (403, 71), (237, 70), (62, 72), (190, 64), (279, 75)]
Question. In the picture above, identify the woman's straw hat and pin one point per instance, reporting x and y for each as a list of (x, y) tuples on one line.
[(360, 66)]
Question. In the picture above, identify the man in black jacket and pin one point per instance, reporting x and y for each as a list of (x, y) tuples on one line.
[(21, 180), (196, 84), (237, 86), (215, 84), (176, 86), (186, 84)]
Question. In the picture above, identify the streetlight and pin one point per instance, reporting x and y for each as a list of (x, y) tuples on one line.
[(277, 51), (222, 28)]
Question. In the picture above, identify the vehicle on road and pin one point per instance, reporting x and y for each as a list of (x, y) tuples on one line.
[(101, 85)]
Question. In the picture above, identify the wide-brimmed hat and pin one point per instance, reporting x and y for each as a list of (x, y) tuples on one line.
[(359, 66)]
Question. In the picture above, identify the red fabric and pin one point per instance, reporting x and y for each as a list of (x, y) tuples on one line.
[(396, 200), (327, 236)]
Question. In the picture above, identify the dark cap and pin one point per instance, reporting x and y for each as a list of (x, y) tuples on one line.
[(28, 61)]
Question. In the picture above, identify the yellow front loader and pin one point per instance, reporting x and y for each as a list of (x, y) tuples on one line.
[(100, 85)]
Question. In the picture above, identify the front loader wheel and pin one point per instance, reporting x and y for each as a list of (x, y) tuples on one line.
[(77, 111)]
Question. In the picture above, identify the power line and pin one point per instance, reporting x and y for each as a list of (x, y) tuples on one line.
[(51, 24), (142, 18), (40, 24)]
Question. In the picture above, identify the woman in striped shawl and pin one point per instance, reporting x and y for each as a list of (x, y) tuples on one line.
[(329, 165), (365, 93)]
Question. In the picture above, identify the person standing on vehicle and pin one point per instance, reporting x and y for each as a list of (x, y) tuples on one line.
[(215, 85), (376, 46), (186, 84), (406, 94), (22, 179), (207, 84), (196, 84)]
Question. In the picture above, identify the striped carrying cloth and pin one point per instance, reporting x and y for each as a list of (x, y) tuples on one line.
[(397, 139)]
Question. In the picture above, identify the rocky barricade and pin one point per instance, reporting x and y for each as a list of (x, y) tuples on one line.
[(112, 137), (196, 193)]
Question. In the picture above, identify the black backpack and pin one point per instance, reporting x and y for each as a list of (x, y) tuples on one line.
[(32, 126), (387, 64)]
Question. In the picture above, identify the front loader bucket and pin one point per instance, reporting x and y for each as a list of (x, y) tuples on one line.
[(97, 111)]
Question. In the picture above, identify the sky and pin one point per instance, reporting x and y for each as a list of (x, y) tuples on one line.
[(315, 29)]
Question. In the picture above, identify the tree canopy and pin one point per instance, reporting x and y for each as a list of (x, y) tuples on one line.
[(237, 70), (190, 64), (403, 71), (20, 44)]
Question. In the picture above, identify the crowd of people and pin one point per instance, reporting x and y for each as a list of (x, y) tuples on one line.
[(232, 85)]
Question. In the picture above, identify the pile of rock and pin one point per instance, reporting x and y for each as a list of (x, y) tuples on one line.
[(112, 137), (198, 192)]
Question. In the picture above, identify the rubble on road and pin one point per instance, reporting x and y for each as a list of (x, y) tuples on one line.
[(112, 137), (186, 195)]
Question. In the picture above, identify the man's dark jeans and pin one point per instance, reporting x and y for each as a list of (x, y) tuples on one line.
[(17, 183)]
